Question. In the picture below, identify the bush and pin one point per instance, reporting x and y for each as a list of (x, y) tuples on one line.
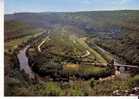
[(65, 85), (134, 82), (92, 82), (48, 89), (76, 91)]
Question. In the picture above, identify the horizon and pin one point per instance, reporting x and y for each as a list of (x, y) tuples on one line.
[(72, 11), (28, 6)]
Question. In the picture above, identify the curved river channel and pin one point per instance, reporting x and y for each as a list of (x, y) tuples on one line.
[(23, 62)]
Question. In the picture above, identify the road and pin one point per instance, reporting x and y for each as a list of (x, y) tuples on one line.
[(106, 52)]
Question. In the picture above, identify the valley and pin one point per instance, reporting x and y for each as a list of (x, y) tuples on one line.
[(70, 55)]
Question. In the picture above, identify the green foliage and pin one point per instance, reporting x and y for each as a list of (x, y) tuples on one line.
[(96, 72), (134, 82), (65, 86), (76, 92), (53, 89), (106, 87), (92, 82), (48, 89)]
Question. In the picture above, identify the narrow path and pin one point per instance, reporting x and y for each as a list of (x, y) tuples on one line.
[(86, 54), (39, 46), (97, 55)]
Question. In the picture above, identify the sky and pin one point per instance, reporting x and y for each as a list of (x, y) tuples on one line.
[(12, 6)]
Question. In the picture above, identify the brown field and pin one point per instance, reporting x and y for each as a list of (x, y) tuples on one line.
[(71, 66)]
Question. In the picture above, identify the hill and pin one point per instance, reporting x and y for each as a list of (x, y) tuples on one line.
[(100, 21), (15, 29), (119, 28)]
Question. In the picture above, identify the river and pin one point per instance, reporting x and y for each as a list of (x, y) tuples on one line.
[(23, 62)]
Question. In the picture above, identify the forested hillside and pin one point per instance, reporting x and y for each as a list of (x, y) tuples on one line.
[(118, 30), (102, 21), (15, 29)]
